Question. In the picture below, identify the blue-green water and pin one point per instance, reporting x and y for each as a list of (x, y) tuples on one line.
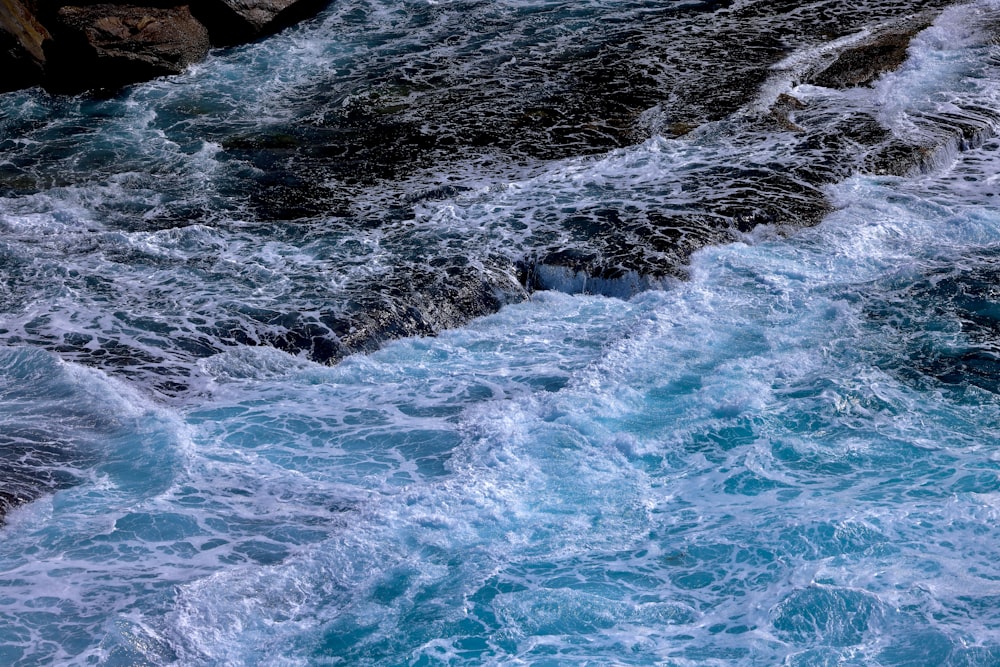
[(789, 457)]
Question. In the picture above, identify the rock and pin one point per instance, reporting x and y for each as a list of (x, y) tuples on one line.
[(682, 128), (235, 21), (108, 45), (781, 112), (861, 65), (83, 44), (22, 46)]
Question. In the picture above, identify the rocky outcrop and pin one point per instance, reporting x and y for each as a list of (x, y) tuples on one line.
[(81, 44), (236, 21), (861, 65), (22, 45), (113, 45)]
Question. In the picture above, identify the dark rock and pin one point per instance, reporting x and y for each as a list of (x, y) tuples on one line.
[(86, 44), (107, 46), (962, 129), (235, 21), (898, 158), (782, 109), (22, 50), (861, 65)]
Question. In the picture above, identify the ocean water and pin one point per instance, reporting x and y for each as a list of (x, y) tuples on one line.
[(400, 339)]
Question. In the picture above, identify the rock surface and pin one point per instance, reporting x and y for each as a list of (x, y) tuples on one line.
[(22, 50), (861, 65), (112, 45), (80, 45), (235, 21)]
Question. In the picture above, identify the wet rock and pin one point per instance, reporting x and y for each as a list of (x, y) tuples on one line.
[(898, 158), (861, 65), (161, 355), (681, 128), (24, 483), (781, 112), (22, 46), (33, 463), (106, 45), (940, 134)]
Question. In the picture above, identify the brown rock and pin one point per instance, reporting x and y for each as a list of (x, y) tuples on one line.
[(236, 21), (109, 45), (861, 65), (781, 111), (258, 14), (22, 46)]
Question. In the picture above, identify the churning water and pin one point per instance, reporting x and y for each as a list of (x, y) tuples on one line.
[(510, 332)]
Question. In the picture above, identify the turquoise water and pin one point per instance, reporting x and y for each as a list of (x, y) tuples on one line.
[(788, 457)]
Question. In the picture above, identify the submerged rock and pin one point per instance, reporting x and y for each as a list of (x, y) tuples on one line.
[(953, 337)]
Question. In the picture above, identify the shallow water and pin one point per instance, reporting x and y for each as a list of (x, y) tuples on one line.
[(777, 449)]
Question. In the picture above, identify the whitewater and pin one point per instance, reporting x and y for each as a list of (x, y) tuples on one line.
[(307, 361)]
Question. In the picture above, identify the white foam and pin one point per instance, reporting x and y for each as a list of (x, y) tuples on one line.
[(589, 476)]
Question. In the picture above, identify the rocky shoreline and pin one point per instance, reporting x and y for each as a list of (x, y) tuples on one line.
[(379, 125), (380, 141), (81, 45)]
